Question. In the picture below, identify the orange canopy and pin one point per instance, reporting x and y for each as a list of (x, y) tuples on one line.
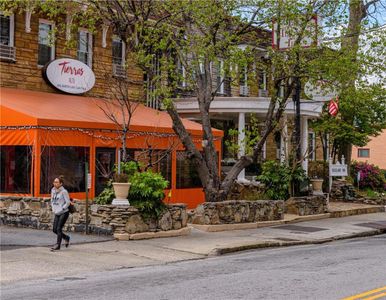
[(31, 108)]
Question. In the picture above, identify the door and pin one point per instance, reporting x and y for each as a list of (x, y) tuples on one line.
[(104, 167)]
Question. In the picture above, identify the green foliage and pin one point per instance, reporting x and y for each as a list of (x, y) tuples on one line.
[(278, 177), (147, 192), (252, 136), (107, 195), (129, 168)]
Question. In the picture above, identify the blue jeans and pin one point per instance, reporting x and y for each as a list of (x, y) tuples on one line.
[(59, 222)]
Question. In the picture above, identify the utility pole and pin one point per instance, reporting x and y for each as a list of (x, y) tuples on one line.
[(297, 146), (296, 100)]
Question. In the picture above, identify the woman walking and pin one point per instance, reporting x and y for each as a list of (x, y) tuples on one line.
[(60, 201)]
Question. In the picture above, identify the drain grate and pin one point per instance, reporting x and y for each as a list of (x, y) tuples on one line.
[(375, 225), (300, 228)]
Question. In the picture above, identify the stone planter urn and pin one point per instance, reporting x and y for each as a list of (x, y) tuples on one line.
[(121, 191), (317, 185)]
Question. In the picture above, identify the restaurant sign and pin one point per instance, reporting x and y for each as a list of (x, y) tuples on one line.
[(69, 75)]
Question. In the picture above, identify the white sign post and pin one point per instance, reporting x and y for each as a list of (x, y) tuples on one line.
[(338, 169), (69, 75)]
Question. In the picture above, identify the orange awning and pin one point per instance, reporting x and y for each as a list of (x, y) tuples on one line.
[(31, 108)]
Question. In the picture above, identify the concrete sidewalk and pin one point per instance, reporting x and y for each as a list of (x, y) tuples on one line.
[(38, 262), (15, 237)]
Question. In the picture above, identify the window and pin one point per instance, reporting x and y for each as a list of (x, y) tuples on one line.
[(262, 80), (244, 90), (159, 161), (7, 27), (68, 161), (187, 176), (6, 30), (118, 51), (220, 77), (46, 51), (16, 169), (311, 146), (363, 152), (278, 140), (85, 47), (181, 74)]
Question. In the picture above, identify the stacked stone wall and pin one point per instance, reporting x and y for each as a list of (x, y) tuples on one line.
[(103, 219), (309, 205), (232, 212)]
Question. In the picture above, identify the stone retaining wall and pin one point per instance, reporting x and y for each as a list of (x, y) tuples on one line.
[(237, 211), (103, 219), (309, 205)]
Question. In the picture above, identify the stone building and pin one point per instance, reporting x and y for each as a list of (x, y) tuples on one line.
[(31, 105), (49, 130)]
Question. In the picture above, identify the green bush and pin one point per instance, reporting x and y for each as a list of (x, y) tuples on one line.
[(107, 195), (146, 194), (278, 178)]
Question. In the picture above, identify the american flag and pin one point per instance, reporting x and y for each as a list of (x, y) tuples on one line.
[(333, 107)]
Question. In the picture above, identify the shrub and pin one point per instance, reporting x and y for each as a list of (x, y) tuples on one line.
[(371, 176), (107, 195), (278, 178), (146, 194)]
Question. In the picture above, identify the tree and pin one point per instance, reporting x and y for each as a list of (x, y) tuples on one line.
[(197, 35), (362, 102)]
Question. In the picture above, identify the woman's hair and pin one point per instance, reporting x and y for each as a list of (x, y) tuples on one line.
[(61, 179)]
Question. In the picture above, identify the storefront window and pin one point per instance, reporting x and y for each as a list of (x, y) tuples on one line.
[(67, 161), (159, 161), (16, 169), (187, 176)]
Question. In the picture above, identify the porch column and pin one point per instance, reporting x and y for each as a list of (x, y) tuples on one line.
[(304, 142), (241, 142)]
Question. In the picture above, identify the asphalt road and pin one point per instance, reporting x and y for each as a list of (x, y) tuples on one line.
[(327, 271)]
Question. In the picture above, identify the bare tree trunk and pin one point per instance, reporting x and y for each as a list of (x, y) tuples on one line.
[(350, 44)]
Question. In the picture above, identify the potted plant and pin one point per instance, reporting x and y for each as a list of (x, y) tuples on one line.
[(121, 182), (316, 173), (121, 186)]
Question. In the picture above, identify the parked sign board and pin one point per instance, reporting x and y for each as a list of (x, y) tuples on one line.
[(69, 75)]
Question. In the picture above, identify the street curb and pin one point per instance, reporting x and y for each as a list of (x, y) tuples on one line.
[(357, 211), (151, 235), (273, 244), (254, 225)]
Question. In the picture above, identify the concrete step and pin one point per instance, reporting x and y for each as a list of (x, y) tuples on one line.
[(356, 211)]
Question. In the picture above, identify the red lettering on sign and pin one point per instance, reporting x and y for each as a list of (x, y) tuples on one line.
[(70, 70)]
